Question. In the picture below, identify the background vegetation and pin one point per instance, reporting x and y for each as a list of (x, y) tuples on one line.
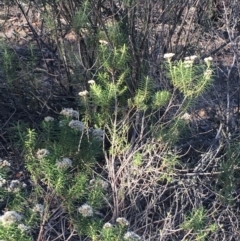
[(119, 120)]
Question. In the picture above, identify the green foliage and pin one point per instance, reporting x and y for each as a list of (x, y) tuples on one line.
[(118, 139), (113, 33), (137, 159), (81, 19), (122, 100), (78, 187), (8, 63), (109, 88), (229, 174), (172, 132), (30, 142), (49, 20), (168, 164), (129, 3), (13, 233), (105, 105), (191, 80), (69, 184), (143, 95), (160, 99), (197, 221), (112, 234)]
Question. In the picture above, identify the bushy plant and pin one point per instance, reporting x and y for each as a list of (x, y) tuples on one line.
[(197, 222), (63, 174), (120, 154), (61, 157)]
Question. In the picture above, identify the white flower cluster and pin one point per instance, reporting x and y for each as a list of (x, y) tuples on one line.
[(103, 42), (188, 61), (131, 236), (98, 134), (192, 57), (23, 227), (15, 186), (76, 125), (86, 210), (10, 217), (83, 93), (39, 208), (69, 112), (2, 181), (107, 225), (122, 221), (64, 163), (168, 56), (4, 163), (103, 184), (48, 119), (208, 74), (91, 82), (42, 153), (186, 116), (208, 59)]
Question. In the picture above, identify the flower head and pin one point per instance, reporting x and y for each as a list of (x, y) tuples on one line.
[(48, 119), (98, 134), (69, 112), (14, 186), (23, 227), (104, 42), (76, 125), (91, 82), (92, 182), (38, 208), (168, 55), (208, 59), (107, 225), (208, 74), (188, 63), (186, 116), (122, 221), (103, 184), (64, 163), (10, 217), (86, 210), (131, 236), (193, 57), (4, 163), (2, 181), (41, 153), (83, 93)]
